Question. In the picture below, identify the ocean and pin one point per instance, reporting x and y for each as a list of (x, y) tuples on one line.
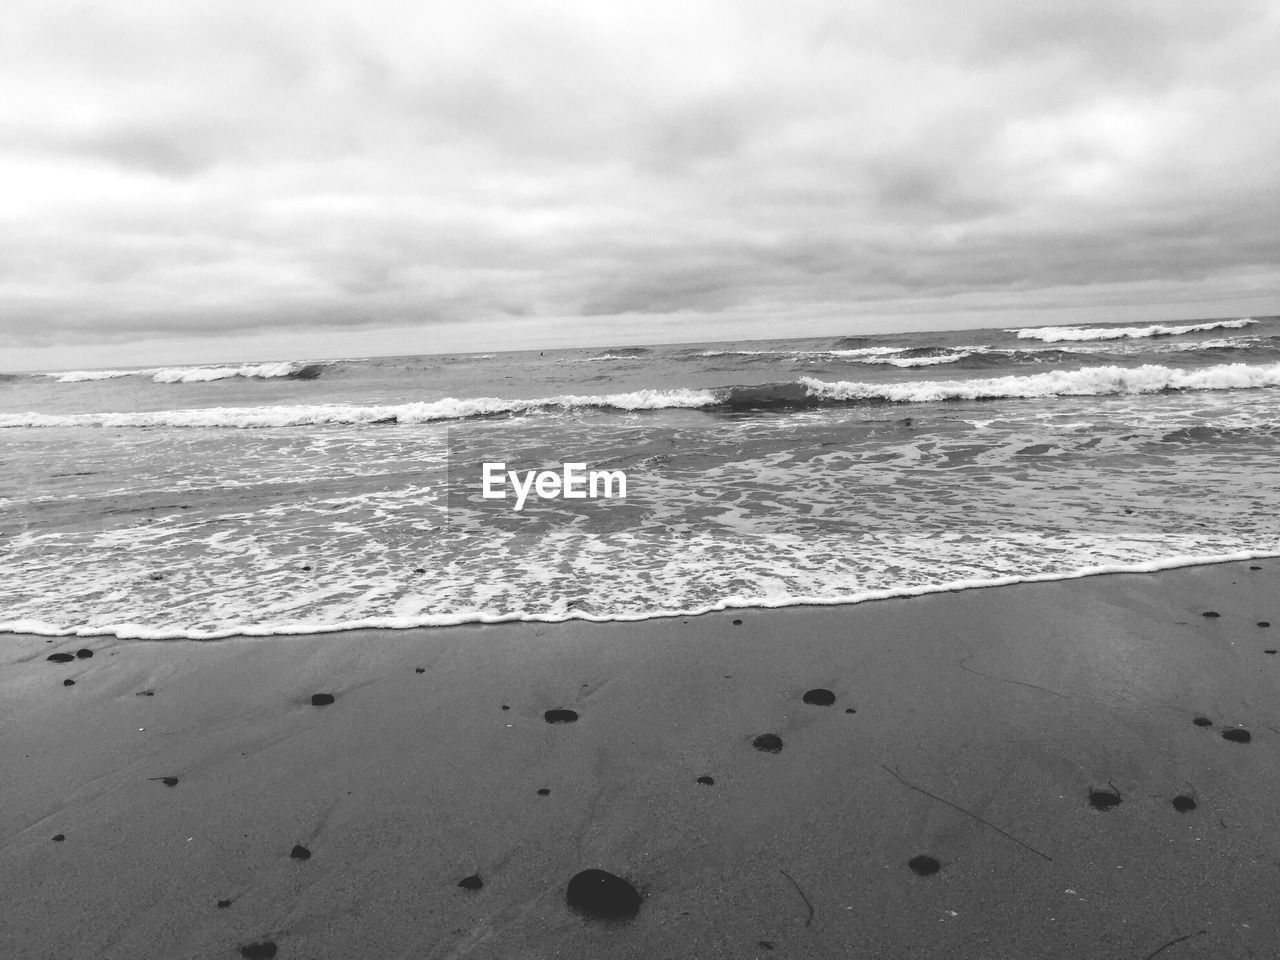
[(314, 495)]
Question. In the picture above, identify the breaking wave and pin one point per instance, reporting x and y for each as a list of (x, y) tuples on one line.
[(1059, 334), (804, 392), (291, 369)]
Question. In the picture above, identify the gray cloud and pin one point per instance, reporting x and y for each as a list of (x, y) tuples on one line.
[(206, 169)]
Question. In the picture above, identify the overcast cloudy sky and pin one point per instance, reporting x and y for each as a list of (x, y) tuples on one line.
[(191, 181)]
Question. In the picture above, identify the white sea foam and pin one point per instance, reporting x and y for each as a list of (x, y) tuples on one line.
[(303, 414), (186, 374), (1060, 334), (138, 631), (204, 374), (1088, 381)]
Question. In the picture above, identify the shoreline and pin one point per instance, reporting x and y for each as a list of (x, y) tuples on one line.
[(128, 631), (981, 721)]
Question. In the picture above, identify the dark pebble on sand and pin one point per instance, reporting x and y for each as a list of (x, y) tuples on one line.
[(299, 852), (924, 866), (560, 716), (170, 781), (84, 653), (737, 623), (307, 567), (223, 904), (850, 710), (472, 882), (1103, 799), (321, 699), (68, 683), (768, 742), (419, 669), (157, 576), (259, 951), (600, 895), (1236, 735), (706, 781), (1264, 623), (1255, 568), (419, 570), (820, 697), (1202, 722), (1183, 804), (145, 693), (544, 792), (1272, 652), (1210, 614), (59, 837), (505, 707), (60, 657)]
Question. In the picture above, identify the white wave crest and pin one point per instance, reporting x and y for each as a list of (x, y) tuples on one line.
[(186, 374), (1088, 382), (450, 408), (205, 374), (1059, 334), (79, 376)]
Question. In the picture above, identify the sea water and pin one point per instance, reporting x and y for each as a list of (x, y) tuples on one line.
[(301, 495)]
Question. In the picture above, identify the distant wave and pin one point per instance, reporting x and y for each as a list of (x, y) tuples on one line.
[(805, 392), (1059, 334), (1085, 382), (450, 408), (292, 369)]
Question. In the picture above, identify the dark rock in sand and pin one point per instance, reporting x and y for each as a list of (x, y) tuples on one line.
[(321, 699), (850, 710), (472, 882), (1264, 623), (544, 792), (505, 707), (1255, 568), (84, 653), (169, 781), (820, 697), (60, 657), (145, 693), (1183, 804), (560, 716), (737, 623), (924, 865), (1272, 652), (223, 904), (68, 683), (157, 576), (306, 568), (1237, 735), (419, 570), (59, 837), (768, 742), (1104, 799), (706, 781), (259, 951), (299, 852), (599, 895), (1202, 722), (419, 669), (1211, 614)]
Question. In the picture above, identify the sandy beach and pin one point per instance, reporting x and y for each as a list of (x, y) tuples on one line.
[(971, 728)]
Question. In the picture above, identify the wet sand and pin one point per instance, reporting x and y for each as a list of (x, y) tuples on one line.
[(993, 774)]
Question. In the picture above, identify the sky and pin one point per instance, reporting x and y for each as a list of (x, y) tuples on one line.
[(208, 181)]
